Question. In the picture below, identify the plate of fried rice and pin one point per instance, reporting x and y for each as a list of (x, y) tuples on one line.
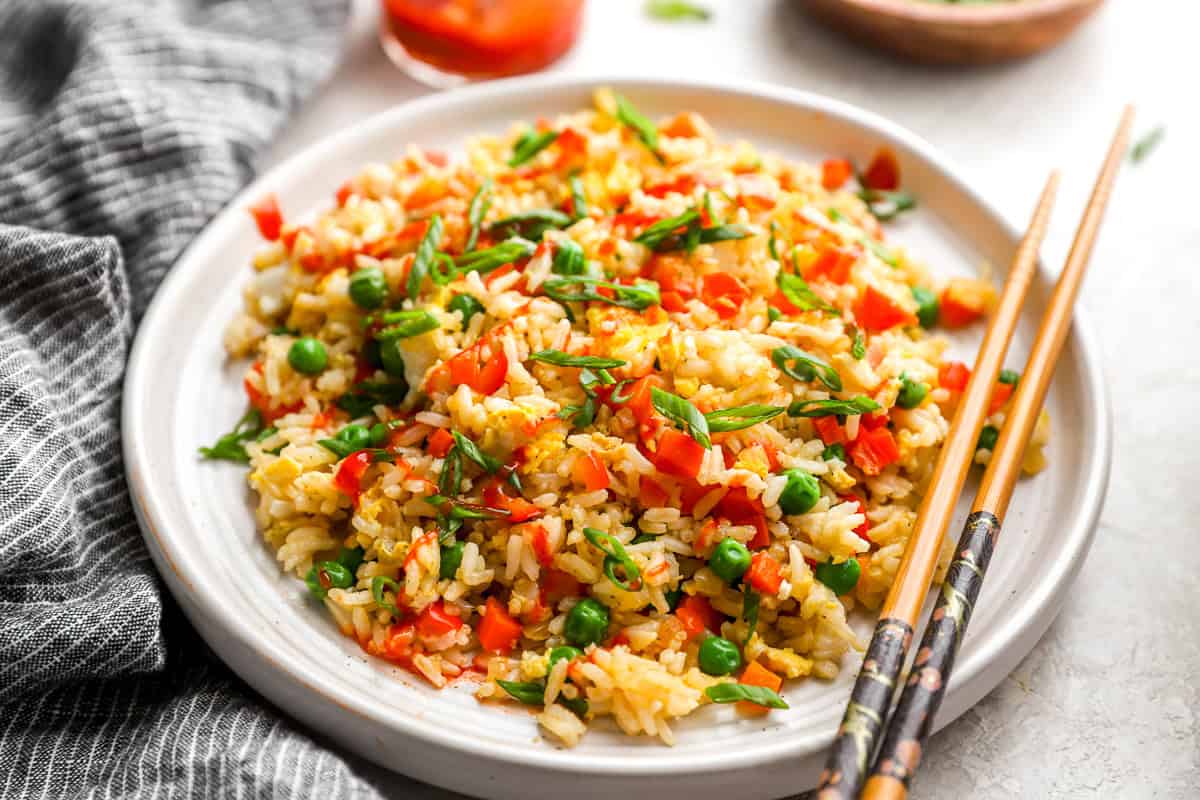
[(561, 430)]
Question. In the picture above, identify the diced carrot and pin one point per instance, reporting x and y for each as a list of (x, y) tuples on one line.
[(883, 172), (765, 574), (498, 632), (439, 443), (267, 217), (639, 401), (723, 293), (835, 172), (832, 264), (953, 375), (873, 450), (436, 157), (434, 620), (757, 675), (678, 454), (878, 312), (674, 302), (343, 193), (829, 430), (589, 470)]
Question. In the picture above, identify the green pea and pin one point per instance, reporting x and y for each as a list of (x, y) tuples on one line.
[(911, 392), (801, 492), (466, 305), (1009, 376), (564, 652), (729, 560), (368, 288), (356, 436), (719, 656), (774, 314), (451, 561), (987, 438), (391, 357), (335, 575), (307, 355), (835, 450), (379, 434), (927, 306), (587, 623), (841, 578), (569, 260)]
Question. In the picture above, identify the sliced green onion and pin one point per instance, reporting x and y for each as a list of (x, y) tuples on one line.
[(229, 447), (406, 324), (683, 414), (798, 293), (639, 296), (733, 692), (424, 257), (642, 128), (615, 557), (529, 145), (495, 256), (530, 224), (379, 584), (741, 417), (561, 359), (480, 203), (802, 366), (828, 408), (472, 451)]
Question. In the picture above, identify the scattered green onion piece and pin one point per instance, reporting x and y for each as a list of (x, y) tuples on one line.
[(683, 414), (741, 417), (561, 359), (826, 408), (735, 692), (529, 145), (424, 257), (481, 201), (801, 366), (230, 447), (642, 128)]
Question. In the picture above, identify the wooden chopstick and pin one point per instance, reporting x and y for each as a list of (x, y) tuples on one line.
[(910, 726), (846, 768)]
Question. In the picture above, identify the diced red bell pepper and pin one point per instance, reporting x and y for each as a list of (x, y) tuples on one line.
[(435, 621), (397, 645), (651, 494), (519, 509), (572, 148), (558, 584), (1000, 396), (835, 172), (589, 470), (829, 430), (439, 443), (684, 184), (877, 312), (739, 508), (268, 217), (348, 478), (864, 529), (723, 293), (498, 632), (698, 616), (961, 303), (481, 366), (953, 376), (873, 450), (833, 264), (883, 173), (539, 541), (639, 401), (678, 454), (765, 574)]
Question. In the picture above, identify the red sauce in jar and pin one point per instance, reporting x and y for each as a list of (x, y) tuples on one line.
[(483, 38)]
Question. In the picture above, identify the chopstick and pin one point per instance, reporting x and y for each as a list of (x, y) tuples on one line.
[(867, 711), (910, 726)]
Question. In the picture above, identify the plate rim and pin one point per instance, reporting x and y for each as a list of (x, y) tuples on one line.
[(1042, 600)]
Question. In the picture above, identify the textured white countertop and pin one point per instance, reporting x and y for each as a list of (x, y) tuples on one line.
[(1106, 705)]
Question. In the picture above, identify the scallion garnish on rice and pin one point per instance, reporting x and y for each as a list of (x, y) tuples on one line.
[(561, 359), (638, 296), (802, 366), (741, 417), (424, 256), (529, 144), (231, 446), (642, 128), (828, 408), (683, 414), (734, 692), (481, 201), (615, 558)]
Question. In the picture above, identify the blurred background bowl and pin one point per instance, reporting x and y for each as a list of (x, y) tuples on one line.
[(952, 33)]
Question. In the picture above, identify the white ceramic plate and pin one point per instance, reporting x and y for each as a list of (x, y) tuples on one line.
[(180, 392)]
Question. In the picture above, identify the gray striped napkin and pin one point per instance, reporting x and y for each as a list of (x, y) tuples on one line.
[(124, 126)]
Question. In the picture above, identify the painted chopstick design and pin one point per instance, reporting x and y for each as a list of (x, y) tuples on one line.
[(911, 724), (862, 722), (871, 699), (926, 685)]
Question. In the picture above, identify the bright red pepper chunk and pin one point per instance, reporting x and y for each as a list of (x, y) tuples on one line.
[(953, 376), (883, 173), (873, 450), (723, 293), (268, 217), (348, 478), (498, 632), (877, 312), (678, 454), (835, 172), (435, 621)]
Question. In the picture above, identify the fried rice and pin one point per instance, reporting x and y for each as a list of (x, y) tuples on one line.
[(557, 416)]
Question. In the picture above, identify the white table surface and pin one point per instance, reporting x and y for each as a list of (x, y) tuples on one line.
[(1106, 705)]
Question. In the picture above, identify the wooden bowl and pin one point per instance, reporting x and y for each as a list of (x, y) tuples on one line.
[(942, 33)]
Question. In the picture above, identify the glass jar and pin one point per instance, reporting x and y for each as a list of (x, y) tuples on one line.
[(449, 42)]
